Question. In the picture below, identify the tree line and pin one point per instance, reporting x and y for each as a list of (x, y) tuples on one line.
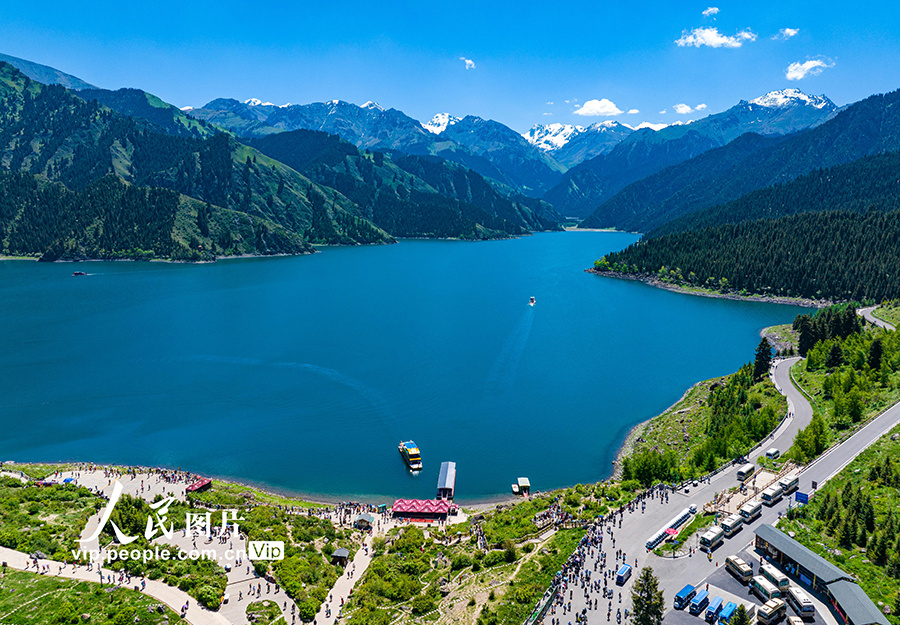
[(837, 255)]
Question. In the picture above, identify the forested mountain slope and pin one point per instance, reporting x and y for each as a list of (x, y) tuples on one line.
[(392, 188), (870, 126), (836, 255), (657, 198), (48, 132), (871, 183)]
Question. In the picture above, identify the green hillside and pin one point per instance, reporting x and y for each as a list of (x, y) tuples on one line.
[(140, 104), (871, 183), (405, 195), (48, 132)]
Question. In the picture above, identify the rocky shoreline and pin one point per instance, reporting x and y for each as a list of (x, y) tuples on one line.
[(652, 280)]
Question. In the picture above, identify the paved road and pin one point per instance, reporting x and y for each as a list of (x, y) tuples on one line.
[(637, 526), (867, 313)]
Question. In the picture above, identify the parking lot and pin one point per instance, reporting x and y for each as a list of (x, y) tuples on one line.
[(724, 584)]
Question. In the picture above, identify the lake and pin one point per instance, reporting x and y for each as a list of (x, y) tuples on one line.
[(304, 373)]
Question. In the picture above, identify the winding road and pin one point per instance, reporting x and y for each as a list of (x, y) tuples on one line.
[(674, 573), (867, 314)]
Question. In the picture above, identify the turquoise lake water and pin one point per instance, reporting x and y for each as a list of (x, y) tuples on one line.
[(304, 373)]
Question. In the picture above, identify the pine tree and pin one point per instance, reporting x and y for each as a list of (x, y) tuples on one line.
[(647, 599), (740, 616), (763, 359), (875, 352)]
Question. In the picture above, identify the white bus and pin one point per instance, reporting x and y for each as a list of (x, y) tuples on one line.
[(750, 511), (789, 483), (763, 588), (802, 604), (745, 471), (772, 495), (732, 525), (775, 576), (711, 539), (771, 611), (740, 569)]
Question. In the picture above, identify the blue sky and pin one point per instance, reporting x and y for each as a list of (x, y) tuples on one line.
[(526, 55)]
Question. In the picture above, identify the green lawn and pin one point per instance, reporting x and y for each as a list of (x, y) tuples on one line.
[(31, 599)]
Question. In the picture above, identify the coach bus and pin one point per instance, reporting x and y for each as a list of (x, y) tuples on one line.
[(771, 611), (745, 471), (772, 495), (712, 539), (727, 612), (775, 576), (751, 510), (763, 588), (739, 568), (712, 612), (802, 604), (789, 483), (732, 525)]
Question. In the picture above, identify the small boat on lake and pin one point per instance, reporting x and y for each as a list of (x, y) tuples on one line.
[(531, 301), (79, 273), (411, 455)]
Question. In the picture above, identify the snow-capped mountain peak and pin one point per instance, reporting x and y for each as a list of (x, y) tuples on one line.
[(790, 97), (439, 123), (372, 106), (257, 102), (548, 137)]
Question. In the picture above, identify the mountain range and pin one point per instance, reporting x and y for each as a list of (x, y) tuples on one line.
[(681, 193), (98, 153), (644, 152), (255, 177)]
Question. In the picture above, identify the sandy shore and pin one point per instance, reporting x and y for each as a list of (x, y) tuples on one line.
[(652, 280)]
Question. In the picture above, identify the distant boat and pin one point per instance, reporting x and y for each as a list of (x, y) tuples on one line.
[(531, 301), (78, 273), (410, 452)]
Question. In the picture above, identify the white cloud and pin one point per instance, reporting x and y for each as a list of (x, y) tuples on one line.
[(662, 112), (798, 71), (470, 64), (710, 11), (633, 111), (546, 113), (699, 107), (786, 33), (682, 109), (714, 39), (593, 108), (549, 103)]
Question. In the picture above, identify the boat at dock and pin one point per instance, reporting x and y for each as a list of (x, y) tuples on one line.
[(411, 455)]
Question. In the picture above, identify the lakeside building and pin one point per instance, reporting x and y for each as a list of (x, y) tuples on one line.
[(820, 575), (446, 481)]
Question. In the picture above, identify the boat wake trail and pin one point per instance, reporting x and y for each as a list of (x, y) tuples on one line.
[(377, 405), (503, 374)]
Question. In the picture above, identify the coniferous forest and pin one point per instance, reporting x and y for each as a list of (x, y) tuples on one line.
[(837, 255)]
